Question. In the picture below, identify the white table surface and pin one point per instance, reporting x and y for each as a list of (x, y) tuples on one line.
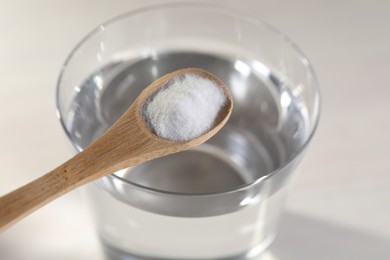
[(339, 204)]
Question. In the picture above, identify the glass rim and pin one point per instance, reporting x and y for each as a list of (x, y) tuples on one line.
[(208, 7)]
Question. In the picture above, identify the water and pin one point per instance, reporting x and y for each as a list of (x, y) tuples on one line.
[(266, 130)]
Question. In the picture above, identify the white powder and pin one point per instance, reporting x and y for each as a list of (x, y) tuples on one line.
[(185, 108)]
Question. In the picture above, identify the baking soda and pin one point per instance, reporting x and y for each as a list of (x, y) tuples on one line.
[(185, 108)]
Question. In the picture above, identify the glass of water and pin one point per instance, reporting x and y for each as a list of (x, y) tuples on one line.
[(223, 199)]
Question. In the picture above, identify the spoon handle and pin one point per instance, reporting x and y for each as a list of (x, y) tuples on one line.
[(97, 160), (124, 146), (26, 199), (110, 153)]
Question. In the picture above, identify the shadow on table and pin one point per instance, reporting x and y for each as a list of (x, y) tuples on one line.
[(302, 238)]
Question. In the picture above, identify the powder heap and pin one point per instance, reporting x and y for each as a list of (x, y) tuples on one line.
[(185, 108)]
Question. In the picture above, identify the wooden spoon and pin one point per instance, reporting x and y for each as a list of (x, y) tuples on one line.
[(128, 142)]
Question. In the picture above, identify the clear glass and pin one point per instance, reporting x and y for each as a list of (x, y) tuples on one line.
[(223, 199)]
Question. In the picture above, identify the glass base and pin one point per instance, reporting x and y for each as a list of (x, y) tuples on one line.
[(256, 253)]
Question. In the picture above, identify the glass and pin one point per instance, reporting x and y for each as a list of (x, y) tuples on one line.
[(223, 199)]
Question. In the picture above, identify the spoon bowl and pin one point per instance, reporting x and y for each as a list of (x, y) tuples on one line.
[(128, 142)]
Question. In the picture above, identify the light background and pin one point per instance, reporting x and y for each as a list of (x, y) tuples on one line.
[(339, 205)]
